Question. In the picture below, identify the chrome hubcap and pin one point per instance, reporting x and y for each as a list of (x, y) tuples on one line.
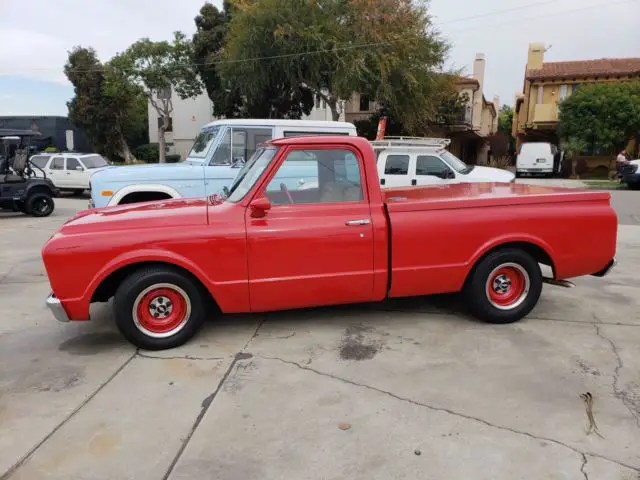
[(160, 307), (501, 284)]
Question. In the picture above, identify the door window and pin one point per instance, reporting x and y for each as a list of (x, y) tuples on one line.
[(430, 165), (73, 164), (330, 176), (396, 165), (57, 163)]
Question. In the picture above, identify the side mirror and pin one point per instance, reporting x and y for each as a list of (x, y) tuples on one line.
[(259, 207)]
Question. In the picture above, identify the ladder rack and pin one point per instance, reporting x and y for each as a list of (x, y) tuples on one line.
[(388, 142)]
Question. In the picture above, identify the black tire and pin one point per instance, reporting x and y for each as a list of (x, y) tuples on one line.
[(634, 186), (39, 204), (131, 290), (495, 307)]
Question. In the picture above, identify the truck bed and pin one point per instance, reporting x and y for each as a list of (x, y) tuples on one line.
[(438, 233), (478, 195)]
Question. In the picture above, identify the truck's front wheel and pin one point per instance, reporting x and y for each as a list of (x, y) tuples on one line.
[(504, 286), (158, 308)]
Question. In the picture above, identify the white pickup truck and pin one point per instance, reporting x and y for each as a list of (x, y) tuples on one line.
[(406, 161)]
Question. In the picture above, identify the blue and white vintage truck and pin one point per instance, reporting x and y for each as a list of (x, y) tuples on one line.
[(218, 153)]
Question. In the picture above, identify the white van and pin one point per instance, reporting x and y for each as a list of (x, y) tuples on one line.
[(406, 161), (539, 158)]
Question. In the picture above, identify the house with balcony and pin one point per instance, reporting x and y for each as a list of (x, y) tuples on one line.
[(469, 128), (546, 84)]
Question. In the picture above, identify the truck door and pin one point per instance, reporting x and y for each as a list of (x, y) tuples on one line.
[(313, 246), (393, 169)]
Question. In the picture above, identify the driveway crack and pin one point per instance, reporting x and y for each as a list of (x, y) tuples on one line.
[(180, 357), (29, 454), (582, 467), (204, 407), (622, 395), (454, 413)]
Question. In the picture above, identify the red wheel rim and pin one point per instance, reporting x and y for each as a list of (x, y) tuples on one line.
[(507, 286), (161, 310)]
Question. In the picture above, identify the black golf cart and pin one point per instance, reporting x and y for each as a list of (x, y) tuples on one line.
[(23, 186)]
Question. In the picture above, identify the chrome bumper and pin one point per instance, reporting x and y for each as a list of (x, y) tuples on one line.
[(56, 308), (605, 271)]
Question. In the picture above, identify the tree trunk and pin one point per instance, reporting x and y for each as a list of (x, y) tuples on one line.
[(126, 152), (162, 158), (333, 105)]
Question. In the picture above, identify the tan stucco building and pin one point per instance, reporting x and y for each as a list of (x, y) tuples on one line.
[(546, 84)]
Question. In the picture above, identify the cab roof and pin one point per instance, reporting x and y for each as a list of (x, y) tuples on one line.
[(358, 142)]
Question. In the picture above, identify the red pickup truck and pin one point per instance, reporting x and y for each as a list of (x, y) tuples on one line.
[(261, 246)]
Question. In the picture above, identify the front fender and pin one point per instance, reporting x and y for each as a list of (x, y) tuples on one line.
[(143, 256)]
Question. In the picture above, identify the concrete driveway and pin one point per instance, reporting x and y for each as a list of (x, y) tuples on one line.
[(405, 390)]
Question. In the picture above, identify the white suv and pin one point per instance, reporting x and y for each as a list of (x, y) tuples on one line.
[(69, 171), (406, 161)]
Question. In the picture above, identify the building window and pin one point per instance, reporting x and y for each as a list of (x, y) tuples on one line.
[(574, 87), (564, 91), (317, 101), (170, 127), (540, 92), (364, 102)]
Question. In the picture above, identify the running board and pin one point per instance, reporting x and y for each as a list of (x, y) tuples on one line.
[(558, 283)]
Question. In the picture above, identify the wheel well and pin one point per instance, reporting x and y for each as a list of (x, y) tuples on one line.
[(38, 189), (109, 285), (538, 254), (137, 197)]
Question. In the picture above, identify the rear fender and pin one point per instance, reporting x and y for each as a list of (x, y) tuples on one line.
[(508, 239)]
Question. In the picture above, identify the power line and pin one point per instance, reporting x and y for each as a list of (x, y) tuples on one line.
[(387, 42)]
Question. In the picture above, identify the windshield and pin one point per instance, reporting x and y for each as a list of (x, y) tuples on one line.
[(94, 161), (455, 163), (203, 142), (250, 173)]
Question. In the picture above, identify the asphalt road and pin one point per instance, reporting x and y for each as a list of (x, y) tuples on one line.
[(410, 389), (627, 205)]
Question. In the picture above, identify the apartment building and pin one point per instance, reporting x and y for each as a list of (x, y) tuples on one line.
[(546, 84)]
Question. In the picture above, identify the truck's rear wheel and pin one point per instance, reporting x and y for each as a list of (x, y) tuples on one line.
[(504, 286), (158, 308)]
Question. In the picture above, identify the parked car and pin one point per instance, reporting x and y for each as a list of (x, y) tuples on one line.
[(631, 175), (218, 153), (69, 171), (539, 158), (426, 161), (261, 246)]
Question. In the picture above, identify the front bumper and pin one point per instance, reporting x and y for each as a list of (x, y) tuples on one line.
[(606, 270), (56, 308)]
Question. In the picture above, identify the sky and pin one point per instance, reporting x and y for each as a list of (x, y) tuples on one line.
[(35, 38)]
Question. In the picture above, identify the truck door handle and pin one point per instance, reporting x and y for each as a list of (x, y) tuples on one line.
[(414, 182), (353, 223)]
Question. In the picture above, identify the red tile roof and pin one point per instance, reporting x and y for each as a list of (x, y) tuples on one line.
[(586, 68)]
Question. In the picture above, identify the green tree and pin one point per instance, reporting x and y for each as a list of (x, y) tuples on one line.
[(158, 69), (384, 48), (605, 115), (108, 108), (275, 99), (505, 120)]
